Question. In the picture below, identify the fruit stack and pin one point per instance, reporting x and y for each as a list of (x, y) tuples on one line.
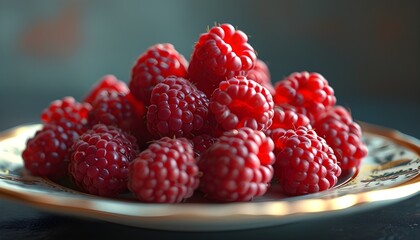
[(213, 126)]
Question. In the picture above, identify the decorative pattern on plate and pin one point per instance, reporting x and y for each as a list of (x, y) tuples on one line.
[(393, 165)]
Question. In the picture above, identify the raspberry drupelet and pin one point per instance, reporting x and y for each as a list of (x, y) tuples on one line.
[(343, 135), (239, 102), (238, 167), (220, 54), (166, 172), (177, 108), (304, 162), (152, 67), (100, 159), (308, 92)]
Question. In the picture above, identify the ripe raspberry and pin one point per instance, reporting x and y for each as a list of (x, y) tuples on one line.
[(177, 108), (239, 102), (66, 108), (114, 109), (201, 143), (261, 74), (100, 159), (343, 135), (152, 67), (165, 172), (108, 83), (238, 166), (47, 152), (221, 53), (304, 162), (308, 92), (286, 117)]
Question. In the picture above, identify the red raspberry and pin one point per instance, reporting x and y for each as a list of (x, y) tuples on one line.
[(177, 108), (113, 108), (221, 53), (238, 166), (66, 108), (152, 67), (201, 143), (308, 92), (122, 110), (286, 117), (108, 83), (47, 153), (239, 102), (261, 74), (100, 159), (343, 135), (304, 162), (165, 172)]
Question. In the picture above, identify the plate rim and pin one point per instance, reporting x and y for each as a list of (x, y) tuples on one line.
[(270, 209)]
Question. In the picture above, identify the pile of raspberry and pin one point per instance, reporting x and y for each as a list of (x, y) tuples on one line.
[(214, 127)]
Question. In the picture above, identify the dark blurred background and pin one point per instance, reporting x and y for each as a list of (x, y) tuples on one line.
[(369, 51)]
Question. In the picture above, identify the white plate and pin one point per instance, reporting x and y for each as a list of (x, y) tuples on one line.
[(388, 174)]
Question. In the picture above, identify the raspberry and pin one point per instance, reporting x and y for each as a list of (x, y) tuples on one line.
[(122, 110), (115, 109), (304, 162), (308, 92), (66, 108), (165, 172), (47, 152), (239, 102), (108, 83), (152, 67), (100, 158), (261, 74), (177, 108), (221, 53), (286, 117), (201, 143), (343, 135), (238, 166)]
